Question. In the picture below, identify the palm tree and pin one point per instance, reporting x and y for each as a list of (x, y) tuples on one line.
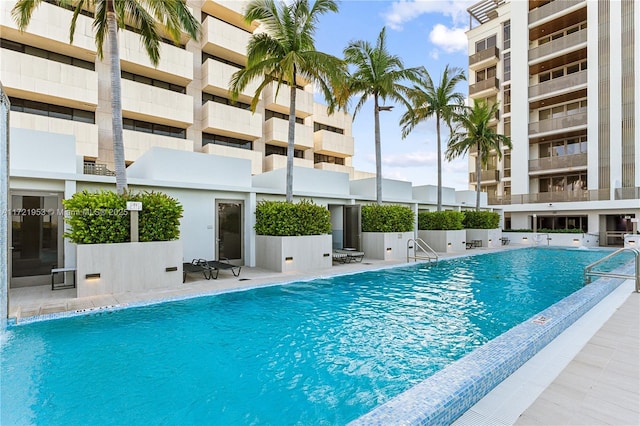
[(173, 16), (377, 74), (442, 102), (474, 131), (285, 51)]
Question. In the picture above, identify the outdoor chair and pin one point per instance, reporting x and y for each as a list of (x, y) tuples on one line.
[(219, 265), (352, 254), (340, 257), (194, 267)]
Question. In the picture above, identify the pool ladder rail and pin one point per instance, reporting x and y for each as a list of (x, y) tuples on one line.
[(421, 250), (588, 270)]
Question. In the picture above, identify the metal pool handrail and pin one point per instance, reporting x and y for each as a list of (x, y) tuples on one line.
[(418, 243), (588, 269)]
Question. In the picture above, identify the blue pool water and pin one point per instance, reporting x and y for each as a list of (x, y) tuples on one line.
[(318, 352)]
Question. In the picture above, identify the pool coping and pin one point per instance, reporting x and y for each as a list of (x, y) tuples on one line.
[(448, 394)]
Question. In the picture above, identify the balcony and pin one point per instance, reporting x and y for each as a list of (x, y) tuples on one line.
[(149, 103), (275, 161), (227, 120), (281, 102), (560, 46), (560, 197), (499, 200), (562, 162), (484, 58), (628, 193), (228, 10), (216, 77), (224, 40), (334, 168), (97, 169), (228, 151), (86, 134), (48, 81), (49, 29), (137, 143), (573, 81), (551, 9), (485, 87), (485, 176), (331, 143), (276, 132), (560, 124), (176, 65)]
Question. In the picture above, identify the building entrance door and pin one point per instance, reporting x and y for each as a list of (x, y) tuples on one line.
[(352, 226), (229, 238), (36, 238)]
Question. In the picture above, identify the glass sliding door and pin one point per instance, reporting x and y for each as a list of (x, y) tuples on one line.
[(36, 238), (229, 237)]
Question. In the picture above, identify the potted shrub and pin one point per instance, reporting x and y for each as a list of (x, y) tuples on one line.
[(442, 231), (483, 227), (386, 230), (292, 236), (106, 261)]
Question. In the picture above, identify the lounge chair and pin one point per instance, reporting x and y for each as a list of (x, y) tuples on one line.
[(352, 254), (194, 267), (340, 257), (220, 265)]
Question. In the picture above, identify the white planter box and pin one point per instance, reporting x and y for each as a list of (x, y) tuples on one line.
[(449, 241), (386, 245), (301, 253), (489, 237), (128, 267)]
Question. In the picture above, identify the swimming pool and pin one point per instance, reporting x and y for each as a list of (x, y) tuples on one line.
[(318, 352)]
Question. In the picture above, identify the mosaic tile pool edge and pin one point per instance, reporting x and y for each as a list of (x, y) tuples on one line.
[(445, 396)]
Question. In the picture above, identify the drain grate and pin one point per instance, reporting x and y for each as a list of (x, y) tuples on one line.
[(244, 279)]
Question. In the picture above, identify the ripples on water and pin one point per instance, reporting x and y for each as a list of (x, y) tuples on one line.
[(320, 352)]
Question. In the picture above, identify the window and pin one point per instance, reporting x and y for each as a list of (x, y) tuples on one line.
[(506, 35), (208, 138), (485, 44), (274, 114), (206, 56), (506, 105), (53, 111), (319, 126), (206, 97), (281, 150), (506, 66), (321, 158), (153, 128), (45, 54), (563, 110), (561, 147), (153, 82), (485, 74)]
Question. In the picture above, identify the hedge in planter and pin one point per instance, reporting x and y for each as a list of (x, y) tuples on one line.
[(376, 218), (281, 218), (101, 217), (481, 220), (440, 221)]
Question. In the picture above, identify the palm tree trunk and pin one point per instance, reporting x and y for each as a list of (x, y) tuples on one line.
[(291, 140), (116, 101), (439, 163), (378, 151), (478, 178)]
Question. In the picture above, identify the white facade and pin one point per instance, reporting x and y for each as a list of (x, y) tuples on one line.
[(569, 97)]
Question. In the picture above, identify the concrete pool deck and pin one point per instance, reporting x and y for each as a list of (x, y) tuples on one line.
[(588, 375)]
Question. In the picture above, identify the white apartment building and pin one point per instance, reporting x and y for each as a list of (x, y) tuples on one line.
[(565, 74)]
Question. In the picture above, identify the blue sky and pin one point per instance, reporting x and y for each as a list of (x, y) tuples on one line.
[(429, 33)]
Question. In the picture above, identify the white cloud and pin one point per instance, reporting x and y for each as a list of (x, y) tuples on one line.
[(403, 11), (449, 39)]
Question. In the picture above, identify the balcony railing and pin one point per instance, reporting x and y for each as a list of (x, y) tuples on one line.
[(490, 83), (485, 176), (97, 169), (487, 55), (555, 197), (551, 9), (560, 123), (570, 81), (555, 46), (561, 162), (500, 200), (628, 193)]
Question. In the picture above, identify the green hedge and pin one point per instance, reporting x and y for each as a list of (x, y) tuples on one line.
[(446, 220), (481, 220), (280, 218), (101, 217), (377, 218)]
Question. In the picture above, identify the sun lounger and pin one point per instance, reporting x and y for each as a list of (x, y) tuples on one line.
[(352, 254), (220, 265), (194, 267), (340, 257)]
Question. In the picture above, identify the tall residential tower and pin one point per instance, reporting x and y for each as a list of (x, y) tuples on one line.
[(565, 74)]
